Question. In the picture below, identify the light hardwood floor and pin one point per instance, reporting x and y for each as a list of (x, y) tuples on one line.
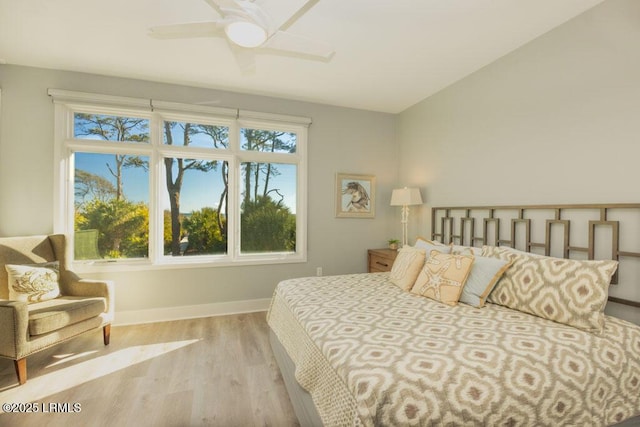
[(215, 371)]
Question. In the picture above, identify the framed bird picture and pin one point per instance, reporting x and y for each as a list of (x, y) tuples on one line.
[(355, 196)]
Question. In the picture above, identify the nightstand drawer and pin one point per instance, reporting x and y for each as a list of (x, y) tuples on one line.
[(381, 260), (378, 263)]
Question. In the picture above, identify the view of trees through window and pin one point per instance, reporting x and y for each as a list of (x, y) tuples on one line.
[(112, 188)]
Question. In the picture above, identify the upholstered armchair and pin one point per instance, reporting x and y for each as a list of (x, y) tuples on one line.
[(33, 323)]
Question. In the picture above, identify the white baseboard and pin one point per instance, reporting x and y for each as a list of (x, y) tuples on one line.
[(133, 317)]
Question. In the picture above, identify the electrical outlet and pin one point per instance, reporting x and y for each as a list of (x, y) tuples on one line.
[(319, 271)]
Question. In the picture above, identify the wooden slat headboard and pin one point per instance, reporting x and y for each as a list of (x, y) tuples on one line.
[(567, 231)]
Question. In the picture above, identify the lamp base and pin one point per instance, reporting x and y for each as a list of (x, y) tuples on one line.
[(405, 221)]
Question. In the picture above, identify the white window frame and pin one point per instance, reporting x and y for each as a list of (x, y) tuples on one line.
[(66, 103)]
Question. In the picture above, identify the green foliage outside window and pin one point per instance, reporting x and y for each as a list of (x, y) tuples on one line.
[(123, 227), (203, 233), (267, 226)]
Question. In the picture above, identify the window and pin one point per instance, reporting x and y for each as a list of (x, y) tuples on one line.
[(148, 182)]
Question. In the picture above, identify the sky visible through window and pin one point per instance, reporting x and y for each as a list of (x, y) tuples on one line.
[(201, 189)]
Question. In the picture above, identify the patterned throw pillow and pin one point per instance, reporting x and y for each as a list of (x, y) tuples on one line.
[(572, 292), (31, 284), (443, 276), (484, 275), (406, 267)]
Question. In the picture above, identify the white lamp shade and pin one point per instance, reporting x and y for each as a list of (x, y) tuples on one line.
[(406, 197)]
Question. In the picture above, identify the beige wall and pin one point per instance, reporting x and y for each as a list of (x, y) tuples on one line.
[(556, 121), (340, 140)]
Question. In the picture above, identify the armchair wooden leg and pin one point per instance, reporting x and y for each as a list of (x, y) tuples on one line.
[(106, 334), (21, 370)]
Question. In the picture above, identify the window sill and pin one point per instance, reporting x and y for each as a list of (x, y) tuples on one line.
[(181, 263)]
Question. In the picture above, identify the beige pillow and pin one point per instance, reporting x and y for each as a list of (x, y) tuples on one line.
[(406, 267), (31, 284), (572, 292), (443, 276)]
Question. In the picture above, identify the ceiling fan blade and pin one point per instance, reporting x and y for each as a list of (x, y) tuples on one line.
[(283, 41), (221, 6), (245, 58), (188, 30), (293, 14)]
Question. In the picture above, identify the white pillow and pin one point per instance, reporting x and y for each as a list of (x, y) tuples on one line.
[(29, 283), (428, 246)]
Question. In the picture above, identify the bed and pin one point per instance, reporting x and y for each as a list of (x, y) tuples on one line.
[(366, 349)]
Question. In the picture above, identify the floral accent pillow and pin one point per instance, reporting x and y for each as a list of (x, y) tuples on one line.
[(443, 276), (29, 283)]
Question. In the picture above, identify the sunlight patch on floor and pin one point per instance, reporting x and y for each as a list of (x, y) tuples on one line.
[(65, 358), (80, 372)]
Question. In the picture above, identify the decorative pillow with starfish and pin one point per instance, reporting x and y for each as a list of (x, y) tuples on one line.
[(443, 276)]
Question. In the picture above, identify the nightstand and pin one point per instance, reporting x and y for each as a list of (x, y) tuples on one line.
[(381, 259)]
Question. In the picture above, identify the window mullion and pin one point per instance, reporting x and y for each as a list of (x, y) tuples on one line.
[(156, 221), (109, 148), (233, 210), (262, 157), (233, 197), (62, 168)]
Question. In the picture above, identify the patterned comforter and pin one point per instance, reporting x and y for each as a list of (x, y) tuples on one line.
[(371, 354)]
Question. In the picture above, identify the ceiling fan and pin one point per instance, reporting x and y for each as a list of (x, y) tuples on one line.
[(249, 28)]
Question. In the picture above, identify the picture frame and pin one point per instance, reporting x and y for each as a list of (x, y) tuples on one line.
[(355, 196)]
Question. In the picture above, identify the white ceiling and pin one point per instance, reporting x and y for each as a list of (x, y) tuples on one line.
[(390, 54)]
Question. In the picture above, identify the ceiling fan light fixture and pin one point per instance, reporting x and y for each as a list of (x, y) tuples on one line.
[(245, 33)]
